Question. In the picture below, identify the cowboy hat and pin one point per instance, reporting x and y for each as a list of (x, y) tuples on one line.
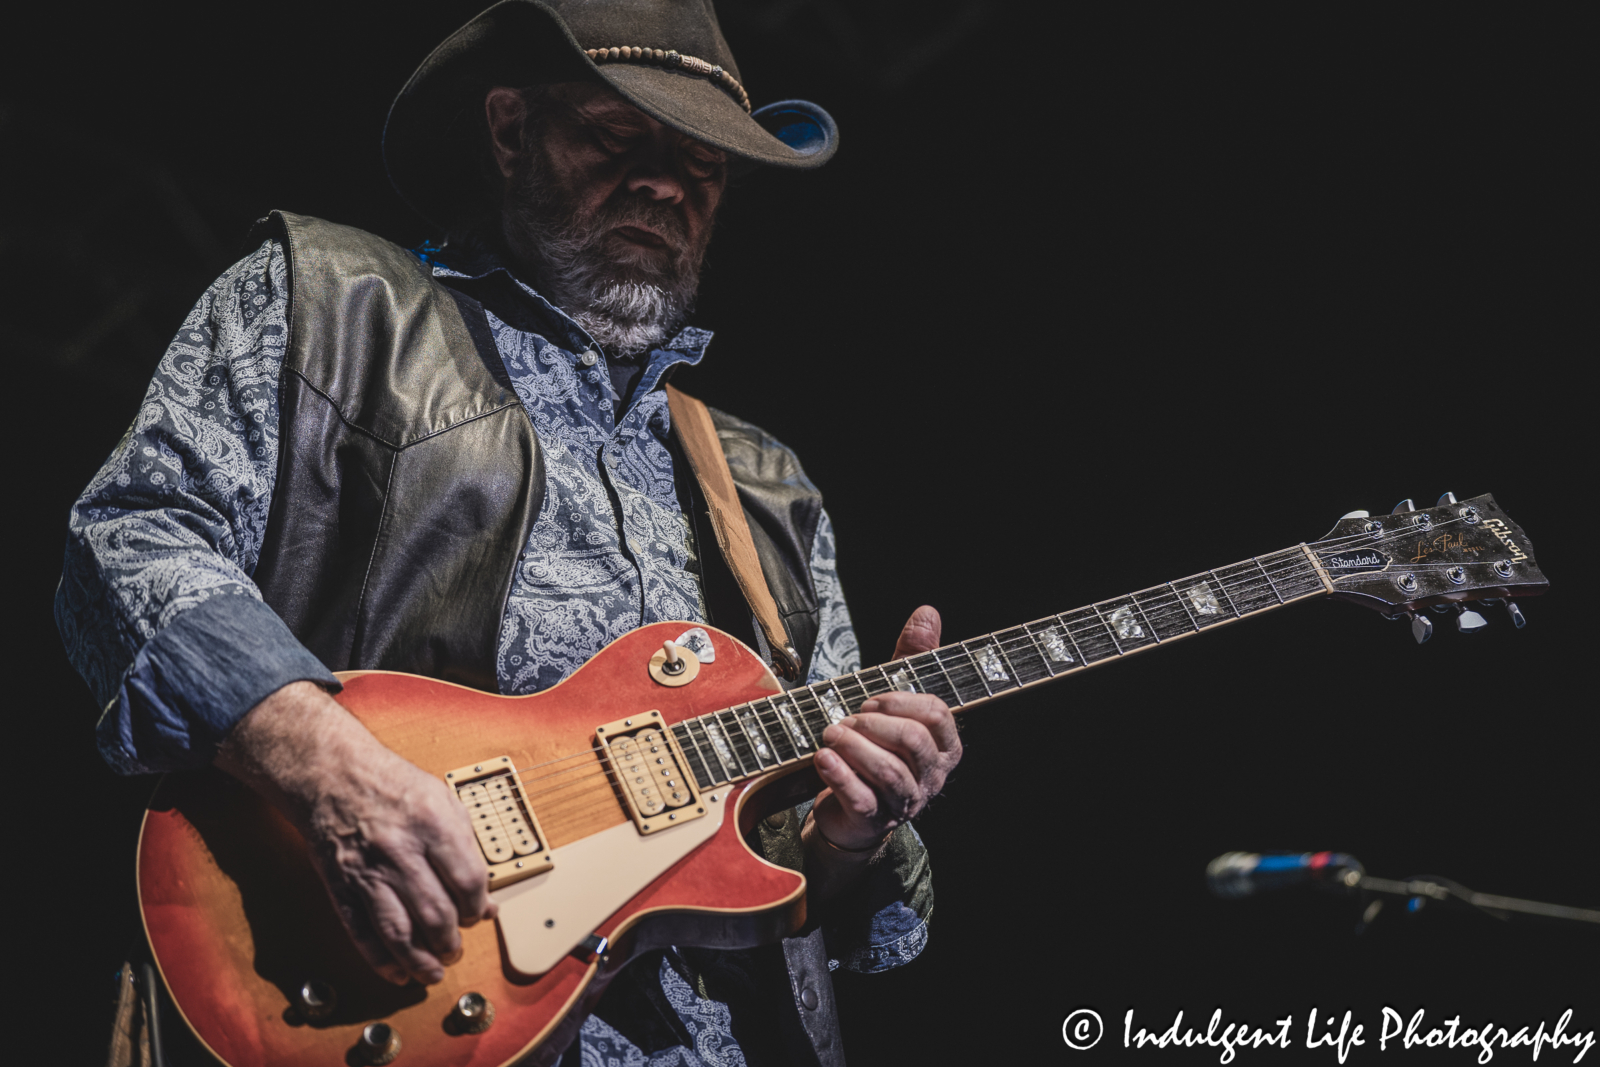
[(665, 57)]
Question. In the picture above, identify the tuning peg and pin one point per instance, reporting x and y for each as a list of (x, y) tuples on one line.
[(1516, 614), (1362, 514), (1421, 627), (1405, 505), (1469, 621), (1448, 498)]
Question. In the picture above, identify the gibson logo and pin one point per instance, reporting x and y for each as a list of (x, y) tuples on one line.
[(1358, 561), (1502, 531), (1442, 544)]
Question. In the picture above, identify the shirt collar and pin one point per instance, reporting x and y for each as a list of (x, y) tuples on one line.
[(479, 269)]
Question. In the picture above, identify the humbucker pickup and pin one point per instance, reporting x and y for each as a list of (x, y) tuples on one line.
[(649, 772), (513, 844)]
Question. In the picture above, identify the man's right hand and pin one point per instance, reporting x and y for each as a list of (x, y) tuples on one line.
[(394, 847)]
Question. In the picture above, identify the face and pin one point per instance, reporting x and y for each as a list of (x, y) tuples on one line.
[(608, 208)]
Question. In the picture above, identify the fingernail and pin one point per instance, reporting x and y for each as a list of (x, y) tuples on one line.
[(871, 705)]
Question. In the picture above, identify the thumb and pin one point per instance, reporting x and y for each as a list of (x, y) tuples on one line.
[(921, 633)]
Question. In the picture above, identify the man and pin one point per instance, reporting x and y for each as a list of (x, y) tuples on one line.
[(461, 463)]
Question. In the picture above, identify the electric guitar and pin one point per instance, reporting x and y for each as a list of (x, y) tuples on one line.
[(612, 809)]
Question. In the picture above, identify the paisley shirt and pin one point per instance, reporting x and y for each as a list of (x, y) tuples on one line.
[(159, 614)]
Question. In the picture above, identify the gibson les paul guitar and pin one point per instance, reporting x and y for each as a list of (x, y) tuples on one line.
[(612, 809)]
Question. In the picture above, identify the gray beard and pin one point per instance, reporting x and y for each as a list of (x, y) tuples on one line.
[(628, 308)]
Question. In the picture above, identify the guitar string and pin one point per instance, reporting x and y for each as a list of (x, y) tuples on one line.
[(769, 719), (1374, 540)]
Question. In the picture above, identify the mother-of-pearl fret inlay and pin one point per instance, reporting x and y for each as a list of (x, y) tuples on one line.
[(902, 681), (832, 705), (1056, 647), (793, 725), (757, 737), (1125, 624), (719, 742), (1204, 600), (993, 668)]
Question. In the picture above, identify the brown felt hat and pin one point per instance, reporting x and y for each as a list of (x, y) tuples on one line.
[(666, 57)]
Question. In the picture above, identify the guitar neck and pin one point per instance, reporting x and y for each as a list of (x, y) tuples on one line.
[(748, 740)]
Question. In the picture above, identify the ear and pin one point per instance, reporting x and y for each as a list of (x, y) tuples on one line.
[(506, 111)]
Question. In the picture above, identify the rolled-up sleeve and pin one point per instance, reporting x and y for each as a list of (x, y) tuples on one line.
[(156, 606)]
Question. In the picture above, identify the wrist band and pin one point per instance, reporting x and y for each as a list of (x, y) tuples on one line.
[(817, 826)]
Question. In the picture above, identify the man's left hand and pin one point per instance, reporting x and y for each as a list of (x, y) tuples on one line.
[(882, 764)]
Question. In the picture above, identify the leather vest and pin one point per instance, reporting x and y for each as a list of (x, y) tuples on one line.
[(410, 476)]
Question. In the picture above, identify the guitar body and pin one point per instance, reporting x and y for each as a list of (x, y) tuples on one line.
[(238, 919)]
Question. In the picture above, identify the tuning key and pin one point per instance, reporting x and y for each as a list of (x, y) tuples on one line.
[(1516, 614), (1469, 621), (1405, 505), (1448, 498), (1421, 627)]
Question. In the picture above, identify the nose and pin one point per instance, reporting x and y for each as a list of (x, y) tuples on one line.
[(656, 181)]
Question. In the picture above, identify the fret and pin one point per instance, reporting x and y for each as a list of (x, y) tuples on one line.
[(1109, 631), (1247, 590), (1167, 614), (963, 675), (1066, 628), (720, 746), (831, 704), (1148, 625), (854, 691), (902, 678), (986, 665), (1231, 605), (1271, 584), (1091, 636), (691, 755), (1183, 602), (1022, 652), (779, 738), (998, 665), (1199, 598), (812, 710), (878, 676), (935, 680), (1055, 647), (760, 744), (794, 721), (743, 752)]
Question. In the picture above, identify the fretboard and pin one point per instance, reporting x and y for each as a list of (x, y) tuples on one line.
[(750, 739)]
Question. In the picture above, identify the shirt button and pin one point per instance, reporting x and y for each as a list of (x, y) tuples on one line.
[(635, 546), (587, 357)]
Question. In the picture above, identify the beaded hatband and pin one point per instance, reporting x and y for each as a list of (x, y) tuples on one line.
[(672, 58)]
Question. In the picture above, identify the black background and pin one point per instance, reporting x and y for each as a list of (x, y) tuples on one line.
[(1085, 302)]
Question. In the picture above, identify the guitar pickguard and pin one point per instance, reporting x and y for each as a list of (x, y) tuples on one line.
[(544, 917)]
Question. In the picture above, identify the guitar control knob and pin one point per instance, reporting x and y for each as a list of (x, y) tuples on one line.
[(1516, 614), (379, 1045), (473, 1014), (316, 1000)]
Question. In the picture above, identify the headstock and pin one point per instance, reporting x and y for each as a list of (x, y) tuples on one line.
[(1437, 558)]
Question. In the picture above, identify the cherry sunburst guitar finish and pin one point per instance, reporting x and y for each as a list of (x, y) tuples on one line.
[(613, 808), (239, 921)]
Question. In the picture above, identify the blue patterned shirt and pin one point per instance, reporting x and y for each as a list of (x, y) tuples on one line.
[(160, 616)]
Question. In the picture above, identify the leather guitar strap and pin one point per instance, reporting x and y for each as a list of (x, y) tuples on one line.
[(698, 436)]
